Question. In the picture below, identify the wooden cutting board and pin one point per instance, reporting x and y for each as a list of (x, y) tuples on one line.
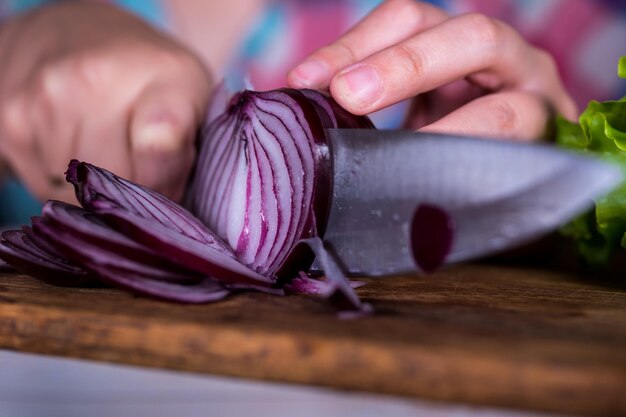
[(483, 334)]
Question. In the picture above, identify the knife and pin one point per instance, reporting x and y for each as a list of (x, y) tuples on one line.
[(497, 194)]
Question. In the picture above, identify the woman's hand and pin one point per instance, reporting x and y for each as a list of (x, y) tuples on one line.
[(88, 81), (468, 74)]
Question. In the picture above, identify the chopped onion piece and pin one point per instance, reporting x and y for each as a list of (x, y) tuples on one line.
[(20, 252)]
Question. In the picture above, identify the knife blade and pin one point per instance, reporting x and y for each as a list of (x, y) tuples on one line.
[(498, 194)]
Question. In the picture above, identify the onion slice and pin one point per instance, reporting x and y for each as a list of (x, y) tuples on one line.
[(97, 184), (207, 290), (189, 252), (159, 223), (4, 266), (304, 284), (89, 255), (19, 251), (89, 227), (338, 289)]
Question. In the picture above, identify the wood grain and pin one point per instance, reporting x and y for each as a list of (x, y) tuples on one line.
[(483, 334)]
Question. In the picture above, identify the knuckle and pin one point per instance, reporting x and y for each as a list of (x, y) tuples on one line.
[(506, 116), (414, 14), (13, 120), (340, 51), (487, 31), (178, 61), (192, 65), (411, 59), (183, 69), (546, 62), (92, 69), (410, 7), (55, 81)]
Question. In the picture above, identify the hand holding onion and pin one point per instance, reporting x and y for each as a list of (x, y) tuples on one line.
[(469, 74), (84, 80)]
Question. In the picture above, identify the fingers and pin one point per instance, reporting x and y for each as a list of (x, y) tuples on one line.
[(491, 52), (149, 140), (162, 129), (428, 107), (54, 113), (26, 119), (390, 23), (513, 114), (546, 81)]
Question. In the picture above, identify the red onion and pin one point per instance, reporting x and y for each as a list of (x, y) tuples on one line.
[(269, 184), (261, 186)]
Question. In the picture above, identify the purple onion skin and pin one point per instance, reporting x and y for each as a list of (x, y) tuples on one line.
[(338, 116)]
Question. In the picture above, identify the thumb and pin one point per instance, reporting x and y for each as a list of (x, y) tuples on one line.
[(162, 130)]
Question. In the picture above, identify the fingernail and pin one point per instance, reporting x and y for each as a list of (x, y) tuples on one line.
[(359, 85), (311, 73), (157, 137)]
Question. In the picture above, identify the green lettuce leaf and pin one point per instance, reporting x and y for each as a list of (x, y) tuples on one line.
[(601, 130)]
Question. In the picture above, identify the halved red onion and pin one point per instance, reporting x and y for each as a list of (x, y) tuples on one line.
[(264, 178)]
